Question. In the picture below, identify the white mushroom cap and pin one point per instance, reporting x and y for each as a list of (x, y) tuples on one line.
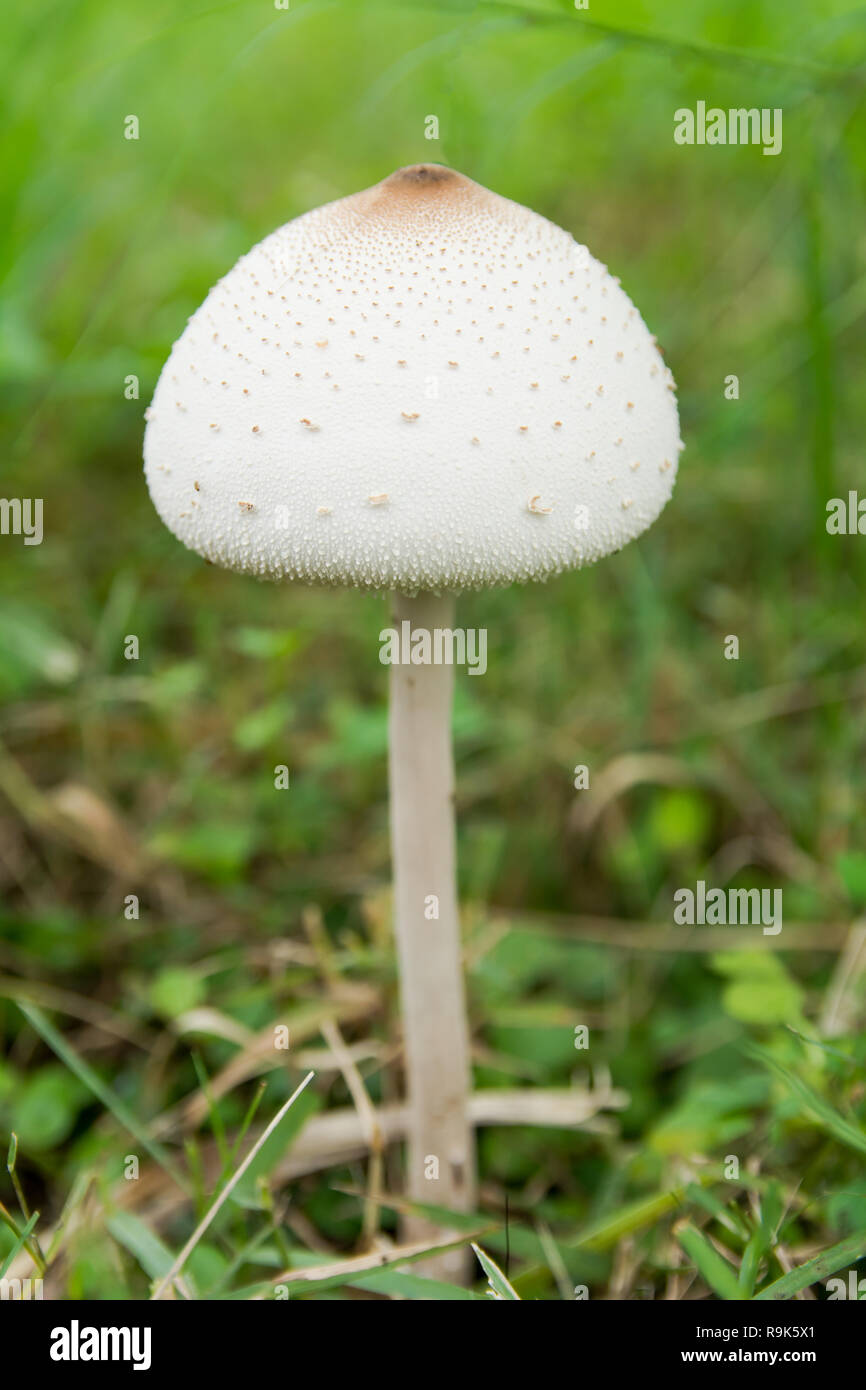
[(423, 386)]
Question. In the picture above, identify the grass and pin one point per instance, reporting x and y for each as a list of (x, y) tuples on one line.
[(164, 912)]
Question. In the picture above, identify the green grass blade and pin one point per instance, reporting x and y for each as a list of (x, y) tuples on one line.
[(296, 1283), (216, 1120), (644, 1212), (727, 1216), (752, 1255), (821, 1267), (19, 1244), (697, 49), (154, 1257), (121, 1112), (813, 1104), (397, 1283), (714, 1270), (495, 1278)]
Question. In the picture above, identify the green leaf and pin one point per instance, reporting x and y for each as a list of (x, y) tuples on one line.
[(679, 820), (760, 990), (218, 849), (358, 735), (266, 643), (710, 1113), (754, 1001), (175, 990), (263, 726), (746, 964), (175, 685), (46, 1108)]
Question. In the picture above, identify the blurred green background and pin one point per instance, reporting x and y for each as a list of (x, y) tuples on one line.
[(155, 777)]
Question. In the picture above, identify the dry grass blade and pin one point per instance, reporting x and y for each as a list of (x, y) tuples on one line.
[(342, 1271), (367, 1116), (840, 1004), (338, 1137), (260, 1056)]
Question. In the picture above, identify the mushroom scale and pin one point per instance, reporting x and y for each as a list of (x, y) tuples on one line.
[(423, 386)]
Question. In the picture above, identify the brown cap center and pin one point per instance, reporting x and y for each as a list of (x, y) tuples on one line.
[(421, 176)]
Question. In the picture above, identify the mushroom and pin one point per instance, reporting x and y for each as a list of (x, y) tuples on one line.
[(331, 440)]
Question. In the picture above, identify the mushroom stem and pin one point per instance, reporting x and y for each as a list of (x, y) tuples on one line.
[(441, 1159)]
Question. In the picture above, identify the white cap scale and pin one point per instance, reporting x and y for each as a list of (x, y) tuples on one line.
[(423, 386)]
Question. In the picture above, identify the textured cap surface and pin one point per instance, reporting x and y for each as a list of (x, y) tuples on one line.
[(422, 386)]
